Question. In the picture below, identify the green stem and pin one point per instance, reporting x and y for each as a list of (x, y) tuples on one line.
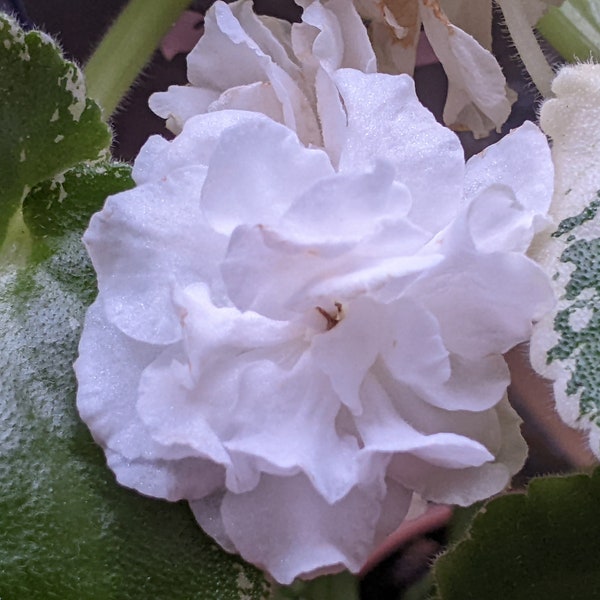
[(343, 586), (573, 29), (16, 247), (127, 47), (529, 50)]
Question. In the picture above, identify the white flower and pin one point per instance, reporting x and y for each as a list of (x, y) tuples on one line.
[(460, 33), (297, 349), (249, 62)]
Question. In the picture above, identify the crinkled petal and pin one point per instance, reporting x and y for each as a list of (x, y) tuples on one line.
[(485, 303), (474, 384), (171, 480), (498, 222), (384, 430), (414, 353), (298, 113), (159, 157), (181, 102), (342, 41), (394, 30), (215, 334), (520, 161), (227, 42), (182, 421), (362, 202), (262, 31), (250, 97), (258, 193), (280, 278), (414, 350), (332, 115), (207, 511), (392, 124), (137, 277), (251, 286), (380, 278), (240, 63), (108, 384), (258, 56), (347, 352), (301, 534), (284, 423), (318, 41), (477, 98), (465, 486)]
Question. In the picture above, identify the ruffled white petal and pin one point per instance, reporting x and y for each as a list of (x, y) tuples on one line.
[(301, 534), (158, 157), (107, 383), (477, 98), (513, 163), (138, 278), (392, 124), (258, 193), (478, 317), (465, 486), (181, 103)]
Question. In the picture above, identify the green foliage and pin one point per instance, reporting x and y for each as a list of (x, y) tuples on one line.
[(573, 28), (47, 123), (538, 545), (67, 530)]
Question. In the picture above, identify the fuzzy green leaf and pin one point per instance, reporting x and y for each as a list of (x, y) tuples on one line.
[(534, 546), (48, 125)]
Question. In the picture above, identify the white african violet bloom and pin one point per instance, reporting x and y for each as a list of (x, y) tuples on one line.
[(297, 349), (249, 62), (460, 33)]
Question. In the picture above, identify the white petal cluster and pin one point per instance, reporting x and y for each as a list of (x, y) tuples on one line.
[(460, 34), (249, 62), (478, 98), (296, 346)]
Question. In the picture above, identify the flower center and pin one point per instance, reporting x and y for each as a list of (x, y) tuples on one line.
[(332, 320)]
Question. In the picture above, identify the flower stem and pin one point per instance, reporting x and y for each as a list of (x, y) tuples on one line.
[(573, 29), (343, 586), (529, 50), (127, 47)]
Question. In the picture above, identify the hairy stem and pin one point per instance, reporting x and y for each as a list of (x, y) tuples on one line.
[(529, 50), (127, 47)]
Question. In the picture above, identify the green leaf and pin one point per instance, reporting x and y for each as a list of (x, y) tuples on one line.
[(48, 125), (535, 546)]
